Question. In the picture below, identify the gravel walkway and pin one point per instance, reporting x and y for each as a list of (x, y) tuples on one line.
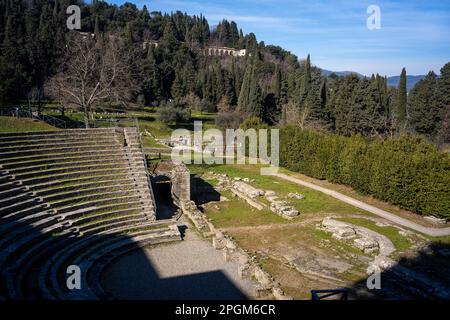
[(191, 269), (434, 232)]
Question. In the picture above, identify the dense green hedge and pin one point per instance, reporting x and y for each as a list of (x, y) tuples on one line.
[(405, 171)]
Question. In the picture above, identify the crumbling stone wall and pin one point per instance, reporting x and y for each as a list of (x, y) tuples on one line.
[(180, 177)]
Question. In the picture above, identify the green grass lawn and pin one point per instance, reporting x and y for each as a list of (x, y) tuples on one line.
[(148, 120), (314, 202), (12, 124), (238, 213), (150, 142)]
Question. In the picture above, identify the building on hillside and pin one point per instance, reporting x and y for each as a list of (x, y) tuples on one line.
[(148, 43), (225, 51)]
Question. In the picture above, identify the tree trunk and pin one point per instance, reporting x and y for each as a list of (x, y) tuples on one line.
[(86, 118), (86, 121)]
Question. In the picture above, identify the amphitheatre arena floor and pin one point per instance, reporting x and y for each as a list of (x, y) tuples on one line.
[(191, 269)]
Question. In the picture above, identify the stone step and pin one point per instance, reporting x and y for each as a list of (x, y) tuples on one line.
[(21, 196), (101, 194), (73, 175), (71, 215), (19, 206), (25, 142), (113, 223), (14, 190), (52, 149), (29, 210), (48, 279), (67, 164), (112, 251), (8, 225), (25, 229), (68, 132), (104, 222), (56, 184), (15, 249), (101, 202), (55, 156), (4, 178), (92, 217), (63, 190), (63, 158), (126, 187), (69, 171), (60, 145), (22, 282), (11, 184)]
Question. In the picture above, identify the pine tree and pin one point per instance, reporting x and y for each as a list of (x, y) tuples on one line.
[(424, 114), (442, 101), (343, 105)]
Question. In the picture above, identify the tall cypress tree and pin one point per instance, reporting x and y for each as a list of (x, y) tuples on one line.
[(97, 28), (243, 99), (250, 97), (276, 82), (306, 80), (402, 101)]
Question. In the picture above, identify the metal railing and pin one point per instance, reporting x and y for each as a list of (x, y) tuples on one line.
[(340, 294), (20, 112)]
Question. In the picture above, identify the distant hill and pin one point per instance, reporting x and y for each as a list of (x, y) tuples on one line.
[(392, 81), (410, 81), (341, 73)]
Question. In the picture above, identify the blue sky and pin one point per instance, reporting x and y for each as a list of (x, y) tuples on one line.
[(414, 34)]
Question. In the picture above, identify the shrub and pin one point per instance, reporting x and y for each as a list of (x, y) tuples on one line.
[(174, 112), (406, 171), (230, 120)]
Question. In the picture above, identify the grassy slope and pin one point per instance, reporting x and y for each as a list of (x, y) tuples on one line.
[(11, 124)]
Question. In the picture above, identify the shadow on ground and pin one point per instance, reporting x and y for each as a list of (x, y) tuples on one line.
[(204, 191), (423, 276), (28, 243)]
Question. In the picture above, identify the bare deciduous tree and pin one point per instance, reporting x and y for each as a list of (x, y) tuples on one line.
[(301, 117), (293, 114), (93, 72)]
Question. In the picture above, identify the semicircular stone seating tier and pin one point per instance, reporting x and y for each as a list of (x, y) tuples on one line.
[(72, 197)]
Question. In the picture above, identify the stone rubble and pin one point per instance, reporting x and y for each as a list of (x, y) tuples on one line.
[(294, 195), (248, 267), (247, 189), (283, 209), (435, 220), (364, 239), (250, 194)]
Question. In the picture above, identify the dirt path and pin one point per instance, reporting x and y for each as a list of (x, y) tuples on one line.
[(434, 232)]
